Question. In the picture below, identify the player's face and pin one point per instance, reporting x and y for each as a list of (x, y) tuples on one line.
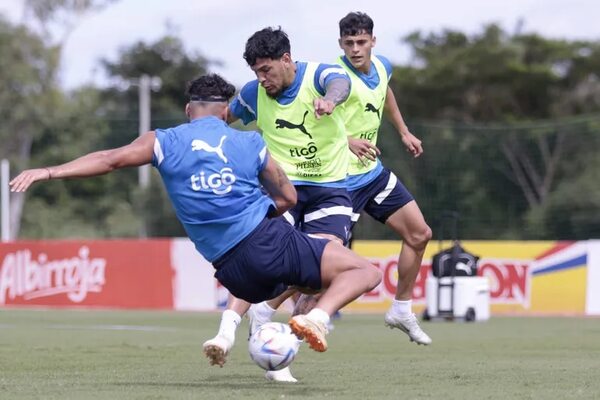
[(273, 75), (357, 49)]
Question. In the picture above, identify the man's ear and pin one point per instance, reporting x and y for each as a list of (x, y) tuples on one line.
[(374, 41), (286, 58), (340, 43), (187, 110), (225, 113)]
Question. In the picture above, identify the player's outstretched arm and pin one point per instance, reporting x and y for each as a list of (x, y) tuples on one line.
[(138, 152), (412, 143), (279, 187), (336, 92)]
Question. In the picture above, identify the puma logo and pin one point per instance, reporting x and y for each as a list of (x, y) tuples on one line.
[(371, 107), (198, 145), (282, 123)]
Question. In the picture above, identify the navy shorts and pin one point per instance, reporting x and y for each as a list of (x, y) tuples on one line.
[(273, 257), (380, 198), (322, 210)]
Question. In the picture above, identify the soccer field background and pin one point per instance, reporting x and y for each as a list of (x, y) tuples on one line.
[(67, 354)]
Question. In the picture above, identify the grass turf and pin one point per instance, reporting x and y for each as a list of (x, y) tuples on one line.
[(91, 354)]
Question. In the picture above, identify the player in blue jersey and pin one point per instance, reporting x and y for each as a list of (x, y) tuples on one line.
[(215, 177), (294, 105), (373, 188)]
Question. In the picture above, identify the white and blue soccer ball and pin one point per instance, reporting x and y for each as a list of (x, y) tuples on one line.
[(273, 346)]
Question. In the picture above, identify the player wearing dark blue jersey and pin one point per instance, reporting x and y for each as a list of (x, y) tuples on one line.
[(215, 177)]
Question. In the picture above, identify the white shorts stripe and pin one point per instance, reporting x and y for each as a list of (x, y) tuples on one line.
[(354, 217), (288, 217), (325, 212), (388, 189)]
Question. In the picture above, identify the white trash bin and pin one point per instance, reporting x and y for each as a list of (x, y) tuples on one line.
[(471, 298)]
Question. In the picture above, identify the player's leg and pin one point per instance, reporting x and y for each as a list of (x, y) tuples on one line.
[(217, 348), (391, 203), (345, 276)]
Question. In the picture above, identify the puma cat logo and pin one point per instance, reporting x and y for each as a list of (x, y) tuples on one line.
[(282, 123), (371, 107), (198, 145)]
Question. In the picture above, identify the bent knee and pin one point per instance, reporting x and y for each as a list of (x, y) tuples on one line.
[(375, 276), (418, 239), (372, 274)]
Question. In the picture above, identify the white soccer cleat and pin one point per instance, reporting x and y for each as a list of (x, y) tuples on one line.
[(283, 375), (255, 319), (217, 349), (311, 331), (409, 325)]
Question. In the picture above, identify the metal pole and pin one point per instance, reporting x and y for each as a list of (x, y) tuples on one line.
[(144, 94), (5, 176)]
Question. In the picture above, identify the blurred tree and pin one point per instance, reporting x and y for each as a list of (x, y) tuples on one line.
[(29, 61), (168, 60), (28, 74), (506, 165)]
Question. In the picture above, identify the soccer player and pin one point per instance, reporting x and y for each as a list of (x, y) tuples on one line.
[(373, 188), (215, 176), (293, 104)]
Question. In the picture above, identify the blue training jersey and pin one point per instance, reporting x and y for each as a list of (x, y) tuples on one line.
[(371, 80), (211, 173)]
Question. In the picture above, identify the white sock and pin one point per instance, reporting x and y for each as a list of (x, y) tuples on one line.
[(229, 323), (316, 314), (263, 311), (402, 307)]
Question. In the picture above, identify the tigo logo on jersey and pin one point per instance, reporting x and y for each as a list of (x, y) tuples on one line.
[(219, 183), (307, 152)]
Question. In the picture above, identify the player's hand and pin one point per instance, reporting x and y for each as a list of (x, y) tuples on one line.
[(412, 143), (22, 181), (362, 149), (323, 107)]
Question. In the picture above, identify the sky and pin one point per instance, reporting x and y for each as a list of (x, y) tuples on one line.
[(218, 29)]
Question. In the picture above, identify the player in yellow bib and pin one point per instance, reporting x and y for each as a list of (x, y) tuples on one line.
[(373, 188)]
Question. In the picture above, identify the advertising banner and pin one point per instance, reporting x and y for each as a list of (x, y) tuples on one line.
[(535, 277), (524, 277), (107, 273)]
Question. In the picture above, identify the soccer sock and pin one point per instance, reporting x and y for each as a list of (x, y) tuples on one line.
[(402, 307), (229, 323), (263, 311), (316, 314)]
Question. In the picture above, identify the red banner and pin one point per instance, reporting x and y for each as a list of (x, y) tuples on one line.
[(110, 273)]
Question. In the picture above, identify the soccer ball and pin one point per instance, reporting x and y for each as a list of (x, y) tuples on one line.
[(273, 346)]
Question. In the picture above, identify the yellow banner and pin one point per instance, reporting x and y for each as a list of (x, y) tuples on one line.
[(525, 277)]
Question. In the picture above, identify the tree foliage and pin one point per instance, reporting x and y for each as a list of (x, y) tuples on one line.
[(502, 145)]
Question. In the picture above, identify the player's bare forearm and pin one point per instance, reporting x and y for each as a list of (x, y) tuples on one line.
[(393, 112), (278, 186), (337, 91), (137, 153), (411, 142)]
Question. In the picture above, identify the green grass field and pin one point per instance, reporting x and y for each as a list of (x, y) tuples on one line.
[(157, 355)]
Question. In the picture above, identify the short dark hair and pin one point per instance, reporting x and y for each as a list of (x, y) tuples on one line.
[(266, 43), (356, 23), (210, 87)]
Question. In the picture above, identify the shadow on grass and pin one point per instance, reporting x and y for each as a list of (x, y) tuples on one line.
[(238, 382)]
